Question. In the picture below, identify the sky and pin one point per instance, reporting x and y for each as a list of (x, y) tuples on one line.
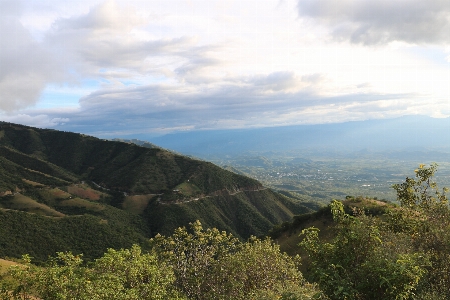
[(119, 68)]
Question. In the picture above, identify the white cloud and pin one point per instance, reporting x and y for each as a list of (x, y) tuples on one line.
[(25, 65), (232, 105), (40, 121), (382, 21), (170, 65)]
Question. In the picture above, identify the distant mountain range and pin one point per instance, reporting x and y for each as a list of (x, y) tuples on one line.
[(410, 133), (63, 191)]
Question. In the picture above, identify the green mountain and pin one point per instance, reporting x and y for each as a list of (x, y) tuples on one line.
[(64, 191)]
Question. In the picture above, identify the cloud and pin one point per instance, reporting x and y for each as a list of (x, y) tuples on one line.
[(25, 65), (137, 66), (277, 81), (117, 39), (39, 120), (11, 8), (372, 22), (244, 103), (105, 16)]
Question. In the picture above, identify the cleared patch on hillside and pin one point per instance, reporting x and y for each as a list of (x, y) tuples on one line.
[(188, 189), (33, 183), (54, 194), (84, 191), (82, 203), (138, 203), (24, 203), (5, 264)]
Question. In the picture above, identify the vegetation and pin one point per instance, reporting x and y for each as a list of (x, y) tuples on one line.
[(88, 198), (91, 194), (404, 254), (195, 264)]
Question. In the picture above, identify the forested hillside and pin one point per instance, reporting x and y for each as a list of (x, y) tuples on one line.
[(58, 200), (85, 194), (356, 249)]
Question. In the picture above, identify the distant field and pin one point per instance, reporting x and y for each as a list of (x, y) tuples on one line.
[(325, 178), (84, 191), (137, 204)]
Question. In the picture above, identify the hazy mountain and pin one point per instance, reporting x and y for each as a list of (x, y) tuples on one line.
[(405, 133)]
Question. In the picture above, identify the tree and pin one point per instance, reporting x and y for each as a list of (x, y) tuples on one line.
[(421, 191), (360, 262), (425, 216), (124, 274), (210, 264)]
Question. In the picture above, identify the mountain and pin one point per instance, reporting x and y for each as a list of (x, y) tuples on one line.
[(64, 191), (408, 132)]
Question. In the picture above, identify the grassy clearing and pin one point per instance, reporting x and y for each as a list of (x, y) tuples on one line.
[(33, 183), (137, 204), (78, 202), (5, 264), (188, 189), (24, 203), (84, 191), (54, 194)]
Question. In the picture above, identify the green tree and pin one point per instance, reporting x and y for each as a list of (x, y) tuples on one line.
[(214, 265), (125, 274), (425, 216), (422, 191), (359, 262)]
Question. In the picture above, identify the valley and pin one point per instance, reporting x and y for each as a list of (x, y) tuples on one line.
[(323, 178)]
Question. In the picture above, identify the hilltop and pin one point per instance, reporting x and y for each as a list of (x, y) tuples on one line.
[(85, 194)]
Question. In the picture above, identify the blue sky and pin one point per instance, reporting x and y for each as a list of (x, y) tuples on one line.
[(115, 68)]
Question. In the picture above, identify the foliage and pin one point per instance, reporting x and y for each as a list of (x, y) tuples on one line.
[(357, 265), (201, 264), (425, 216), (22, 233), (421, 191), (214, 265), (404, 254), (125, 274)]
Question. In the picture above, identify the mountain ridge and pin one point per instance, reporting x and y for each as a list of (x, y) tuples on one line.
[(45, 172)]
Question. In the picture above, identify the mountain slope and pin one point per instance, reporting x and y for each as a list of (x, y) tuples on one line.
[(64, 176)]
